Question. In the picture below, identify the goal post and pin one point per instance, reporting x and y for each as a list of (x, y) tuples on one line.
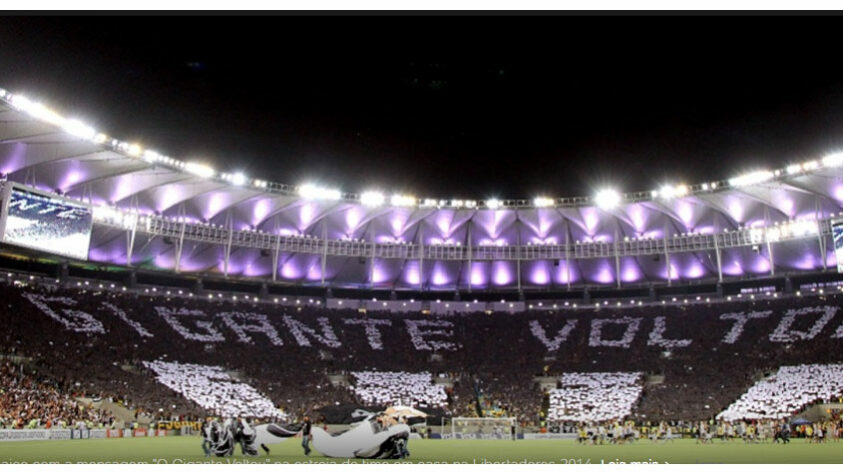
[(483, 428)]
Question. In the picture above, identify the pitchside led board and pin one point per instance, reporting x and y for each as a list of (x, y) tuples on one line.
[(837, 233), (45, 222)]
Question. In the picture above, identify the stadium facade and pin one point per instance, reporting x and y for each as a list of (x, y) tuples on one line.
[(157, 213)]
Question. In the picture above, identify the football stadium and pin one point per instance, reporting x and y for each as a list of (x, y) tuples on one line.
[(162, 311)]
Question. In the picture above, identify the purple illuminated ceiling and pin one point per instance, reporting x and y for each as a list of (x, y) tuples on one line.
[(84, 171)]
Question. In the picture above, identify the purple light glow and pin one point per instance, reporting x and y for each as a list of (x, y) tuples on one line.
[(735, 209), (388, 239), (604, 274), (636, 215), (443, 222), (167, 198), (787, 206), (397, 225), (307, 212), (732, 268), (540, 274), (501, 273), (440, 275), (674, 274), (686, 213), (411, 272), (290, 271), (314, 273), (630, 271), (70, 178), (562, 274), (495, 242), (260, 210), (478, 274), (13, 159), (761, 265), (114, 255), (216, 203), (164, 261), (379, 275), (807, 262), (255, 269), (590, 219), (352, 219), (695, 270)]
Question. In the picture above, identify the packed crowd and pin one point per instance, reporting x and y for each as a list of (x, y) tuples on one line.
[(28, 402), (95, 343)]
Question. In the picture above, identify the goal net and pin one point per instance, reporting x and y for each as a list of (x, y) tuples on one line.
[(481, 428)]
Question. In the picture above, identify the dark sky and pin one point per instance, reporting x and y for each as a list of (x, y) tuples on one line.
[(435, 106)]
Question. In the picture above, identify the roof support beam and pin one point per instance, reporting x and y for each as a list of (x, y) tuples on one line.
[(230, 227), (719, 260), (325, 250)]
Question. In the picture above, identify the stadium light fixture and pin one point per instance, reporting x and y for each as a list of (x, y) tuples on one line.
[(810, 165), (79, 129), (833, 160), (400, 200), (493, 203), (310, 191), (199, 169), (372, 198), (543, 201), (607, 199), (794, 169), (237, 179), (749, 179)]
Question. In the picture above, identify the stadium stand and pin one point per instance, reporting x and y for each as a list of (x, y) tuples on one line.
[(27, 402), (96, 343)]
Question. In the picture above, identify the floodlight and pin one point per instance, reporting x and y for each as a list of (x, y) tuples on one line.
[(372, 198), (832, 160), (309, 191), (543, 201), (237, 179), (754, 177), (199, 169), (79, 129), (399, 200), (607, 199)]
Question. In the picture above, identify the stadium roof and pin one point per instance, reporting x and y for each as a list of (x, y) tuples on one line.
[(156, 211)]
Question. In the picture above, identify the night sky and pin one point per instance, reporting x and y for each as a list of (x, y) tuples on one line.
[(447, 107)]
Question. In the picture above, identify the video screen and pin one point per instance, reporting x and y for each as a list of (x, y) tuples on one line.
[(46, 223)]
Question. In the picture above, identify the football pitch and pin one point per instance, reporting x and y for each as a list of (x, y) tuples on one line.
[(175, 450)]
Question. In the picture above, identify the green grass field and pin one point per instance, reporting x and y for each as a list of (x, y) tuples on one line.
[(187, 450)]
